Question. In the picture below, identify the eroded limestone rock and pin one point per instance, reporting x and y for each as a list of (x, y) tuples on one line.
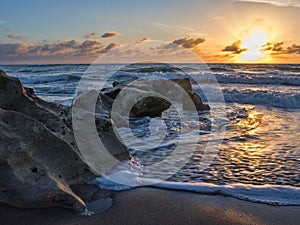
[(39, 158)]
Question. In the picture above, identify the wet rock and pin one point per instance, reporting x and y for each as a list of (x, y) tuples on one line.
[(157, 95), (149, 106), (185, 83)]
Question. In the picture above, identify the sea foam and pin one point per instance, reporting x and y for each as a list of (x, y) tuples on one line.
[(267, 194)]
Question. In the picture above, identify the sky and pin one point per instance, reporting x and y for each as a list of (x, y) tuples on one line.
[(217, 31)]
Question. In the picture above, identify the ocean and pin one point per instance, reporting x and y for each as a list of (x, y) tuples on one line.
[(259, 159)]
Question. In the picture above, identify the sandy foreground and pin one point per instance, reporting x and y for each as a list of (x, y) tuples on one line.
[(158, 206)]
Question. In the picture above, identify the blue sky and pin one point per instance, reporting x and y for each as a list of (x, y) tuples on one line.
[(28, 23), (69, 19)]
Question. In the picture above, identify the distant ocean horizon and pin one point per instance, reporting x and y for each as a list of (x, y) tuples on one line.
[(260, 155)]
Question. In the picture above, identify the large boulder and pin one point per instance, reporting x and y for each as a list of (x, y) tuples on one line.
[(139, 102), (57, 118), (154, 103), (36, 165), (40, 160)]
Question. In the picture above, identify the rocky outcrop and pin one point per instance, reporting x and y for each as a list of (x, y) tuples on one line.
[(149, 106), (155, 103), (39, 158), (36, 165), (185, 83), (40, 162)]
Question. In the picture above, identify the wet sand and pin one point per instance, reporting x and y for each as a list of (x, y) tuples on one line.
[(158, 206)]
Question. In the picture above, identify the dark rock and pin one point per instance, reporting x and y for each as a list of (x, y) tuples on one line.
[(200, 106), (11, 89), (36, 165), (152, 105), (185, 83), (39, 158), (149, 106)]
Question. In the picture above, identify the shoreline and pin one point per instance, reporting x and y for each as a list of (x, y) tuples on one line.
[(147, 205)]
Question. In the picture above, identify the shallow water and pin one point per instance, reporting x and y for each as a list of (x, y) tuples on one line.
[(261, 145)]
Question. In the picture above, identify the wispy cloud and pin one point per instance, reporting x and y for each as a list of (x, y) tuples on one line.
[(294, 3), (189, 42), (109, 47), (91, 35), (172, 26), (15, 37), (138, 40)]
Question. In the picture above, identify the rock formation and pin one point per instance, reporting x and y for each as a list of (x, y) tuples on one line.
[(39, 158), (155, 103), (185, 83), (40, 163)]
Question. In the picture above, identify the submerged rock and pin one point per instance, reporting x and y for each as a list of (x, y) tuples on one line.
[(39, 158)]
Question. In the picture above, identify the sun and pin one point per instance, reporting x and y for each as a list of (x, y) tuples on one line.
[(252, 41)]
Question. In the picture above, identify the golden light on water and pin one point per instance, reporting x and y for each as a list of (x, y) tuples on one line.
[(249, 125)]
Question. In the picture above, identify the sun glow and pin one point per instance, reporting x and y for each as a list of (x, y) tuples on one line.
[(252, 42)]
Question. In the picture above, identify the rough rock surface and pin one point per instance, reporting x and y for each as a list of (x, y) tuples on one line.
[(40, 163), (185, 83), (39, 159), (154, 104)]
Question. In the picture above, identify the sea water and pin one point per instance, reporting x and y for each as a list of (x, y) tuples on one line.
[(259, 159)]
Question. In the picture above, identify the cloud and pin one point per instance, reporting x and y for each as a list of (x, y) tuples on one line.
[(15, 37), (109, 47), (277, 47), (91, 35), (189, 42), (58, 49), (293, 3), (89, 47), (180, 45), (235, 48), (110, 34), (139, 40), (267, 47), (293, 49), (15, 49)]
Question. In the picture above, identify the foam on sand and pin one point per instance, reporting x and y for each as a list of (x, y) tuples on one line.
[(267, 194)]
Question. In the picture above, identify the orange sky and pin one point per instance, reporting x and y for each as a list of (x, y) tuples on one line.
[(261, 31)]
